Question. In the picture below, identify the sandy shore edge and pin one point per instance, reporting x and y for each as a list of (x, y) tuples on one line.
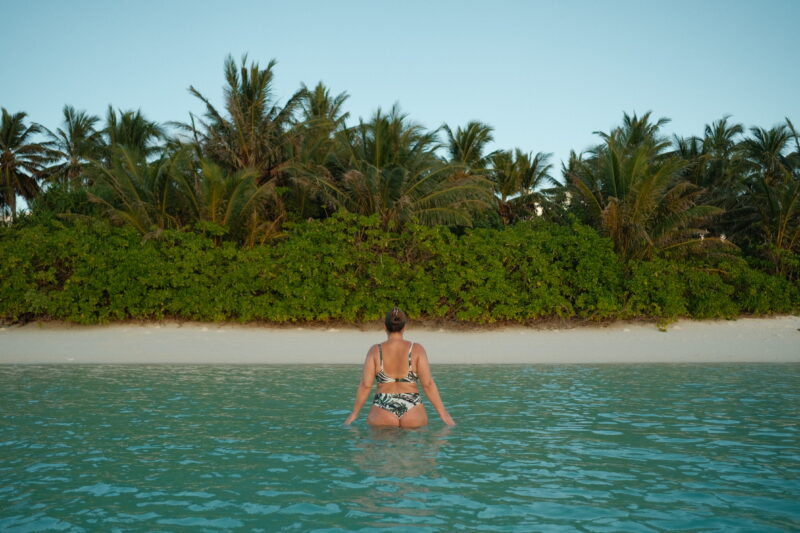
[(773, 340)]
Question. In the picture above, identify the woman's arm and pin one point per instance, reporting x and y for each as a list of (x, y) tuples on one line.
[(431, 390), (362, 392)]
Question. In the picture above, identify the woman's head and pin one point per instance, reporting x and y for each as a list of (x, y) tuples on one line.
[(395, 320)]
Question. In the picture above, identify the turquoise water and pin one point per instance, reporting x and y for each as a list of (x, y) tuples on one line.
[(537, 448)]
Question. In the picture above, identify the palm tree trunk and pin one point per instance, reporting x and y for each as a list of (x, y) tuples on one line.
[(12, 203)]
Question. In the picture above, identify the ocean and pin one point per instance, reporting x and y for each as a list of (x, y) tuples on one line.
[(706, 447)]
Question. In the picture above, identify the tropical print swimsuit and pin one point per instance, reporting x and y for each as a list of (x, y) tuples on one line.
[(400, 402)]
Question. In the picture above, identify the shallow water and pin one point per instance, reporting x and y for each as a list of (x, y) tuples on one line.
[(537, 448)]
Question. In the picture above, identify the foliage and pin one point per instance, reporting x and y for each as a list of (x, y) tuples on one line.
[(466, 146), (316, 150), (347, 267), (772, 194), (388, 167), (176, 191), (59, 200), (518, 180), (635, 193), (136, 192), (21, 160), (132, 130), (270, 209), (253, 133), (73, 147), (725, 288)]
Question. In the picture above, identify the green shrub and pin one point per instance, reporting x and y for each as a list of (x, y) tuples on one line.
[(655, 289), (760, 293), (347, 268), (708, 292)]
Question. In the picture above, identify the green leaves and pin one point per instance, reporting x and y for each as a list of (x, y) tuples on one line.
[(518, 179), (772, 194), (176, 191), (348, 268), (387, 166), (254, 132), (725, 288), (636, 194), (21, 160)]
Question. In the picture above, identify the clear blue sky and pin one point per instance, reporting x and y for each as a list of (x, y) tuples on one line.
[(544, 74)]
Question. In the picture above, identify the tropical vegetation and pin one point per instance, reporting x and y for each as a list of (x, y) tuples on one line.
[(286, 210)]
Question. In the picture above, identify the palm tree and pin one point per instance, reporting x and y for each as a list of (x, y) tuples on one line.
[(467, 145), (177, 191), (518, 179), (636, 194), (132, 130), (321, 119), (773, 190), (765, 151), (717, 167), (715, 162), (320, 110), (21, 160), (73, 147), (254, 134), (720, 143), (137, 192), (233, 201), (636, 131), (389, 167)]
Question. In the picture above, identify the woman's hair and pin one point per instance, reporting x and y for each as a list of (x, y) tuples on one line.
[(395, 320)]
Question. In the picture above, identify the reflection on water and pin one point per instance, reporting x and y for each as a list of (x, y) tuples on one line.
[(397, 462), (261, 448), (395, 451)]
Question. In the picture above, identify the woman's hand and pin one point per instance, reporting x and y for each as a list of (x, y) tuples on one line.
[(447, 419), (350, 419)]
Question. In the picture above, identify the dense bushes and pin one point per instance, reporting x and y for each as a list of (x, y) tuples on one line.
[(348, 268)]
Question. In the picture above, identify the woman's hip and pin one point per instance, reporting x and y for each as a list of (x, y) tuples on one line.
[(398, 403)]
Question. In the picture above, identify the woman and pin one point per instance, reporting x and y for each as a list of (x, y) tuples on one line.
[(397, 402)]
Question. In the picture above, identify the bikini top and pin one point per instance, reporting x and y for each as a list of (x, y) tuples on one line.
[(381, 376)]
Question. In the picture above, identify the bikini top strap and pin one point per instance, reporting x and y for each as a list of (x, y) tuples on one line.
[(380, 353), (409, 357)]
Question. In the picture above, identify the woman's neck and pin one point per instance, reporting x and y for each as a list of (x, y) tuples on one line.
[(396, 336)]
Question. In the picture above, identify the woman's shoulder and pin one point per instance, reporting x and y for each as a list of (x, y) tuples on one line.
[(373, 351), (418, 349)]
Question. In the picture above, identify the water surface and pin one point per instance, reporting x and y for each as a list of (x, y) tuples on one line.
[(537, 448)]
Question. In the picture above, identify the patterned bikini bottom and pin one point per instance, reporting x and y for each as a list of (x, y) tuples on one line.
[(397, 403)]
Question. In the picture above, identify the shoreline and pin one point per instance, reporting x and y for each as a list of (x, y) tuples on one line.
[(746, 340)]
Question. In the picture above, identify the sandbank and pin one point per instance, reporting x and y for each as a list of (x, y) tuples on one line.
[(775, 340)]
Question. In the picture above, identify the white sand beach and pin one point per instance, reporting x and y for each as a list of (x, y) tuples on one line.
[(745, 340)]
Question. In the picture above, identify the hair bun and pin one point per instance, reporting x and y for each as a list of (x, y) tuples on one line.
[(395, 319)]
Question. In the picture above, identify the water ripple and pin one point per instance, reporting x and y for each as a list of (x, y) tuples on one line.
[(556, 448)]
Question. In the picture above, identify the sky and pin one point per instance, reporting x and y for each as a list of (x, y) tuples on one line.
[(545, 75)]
